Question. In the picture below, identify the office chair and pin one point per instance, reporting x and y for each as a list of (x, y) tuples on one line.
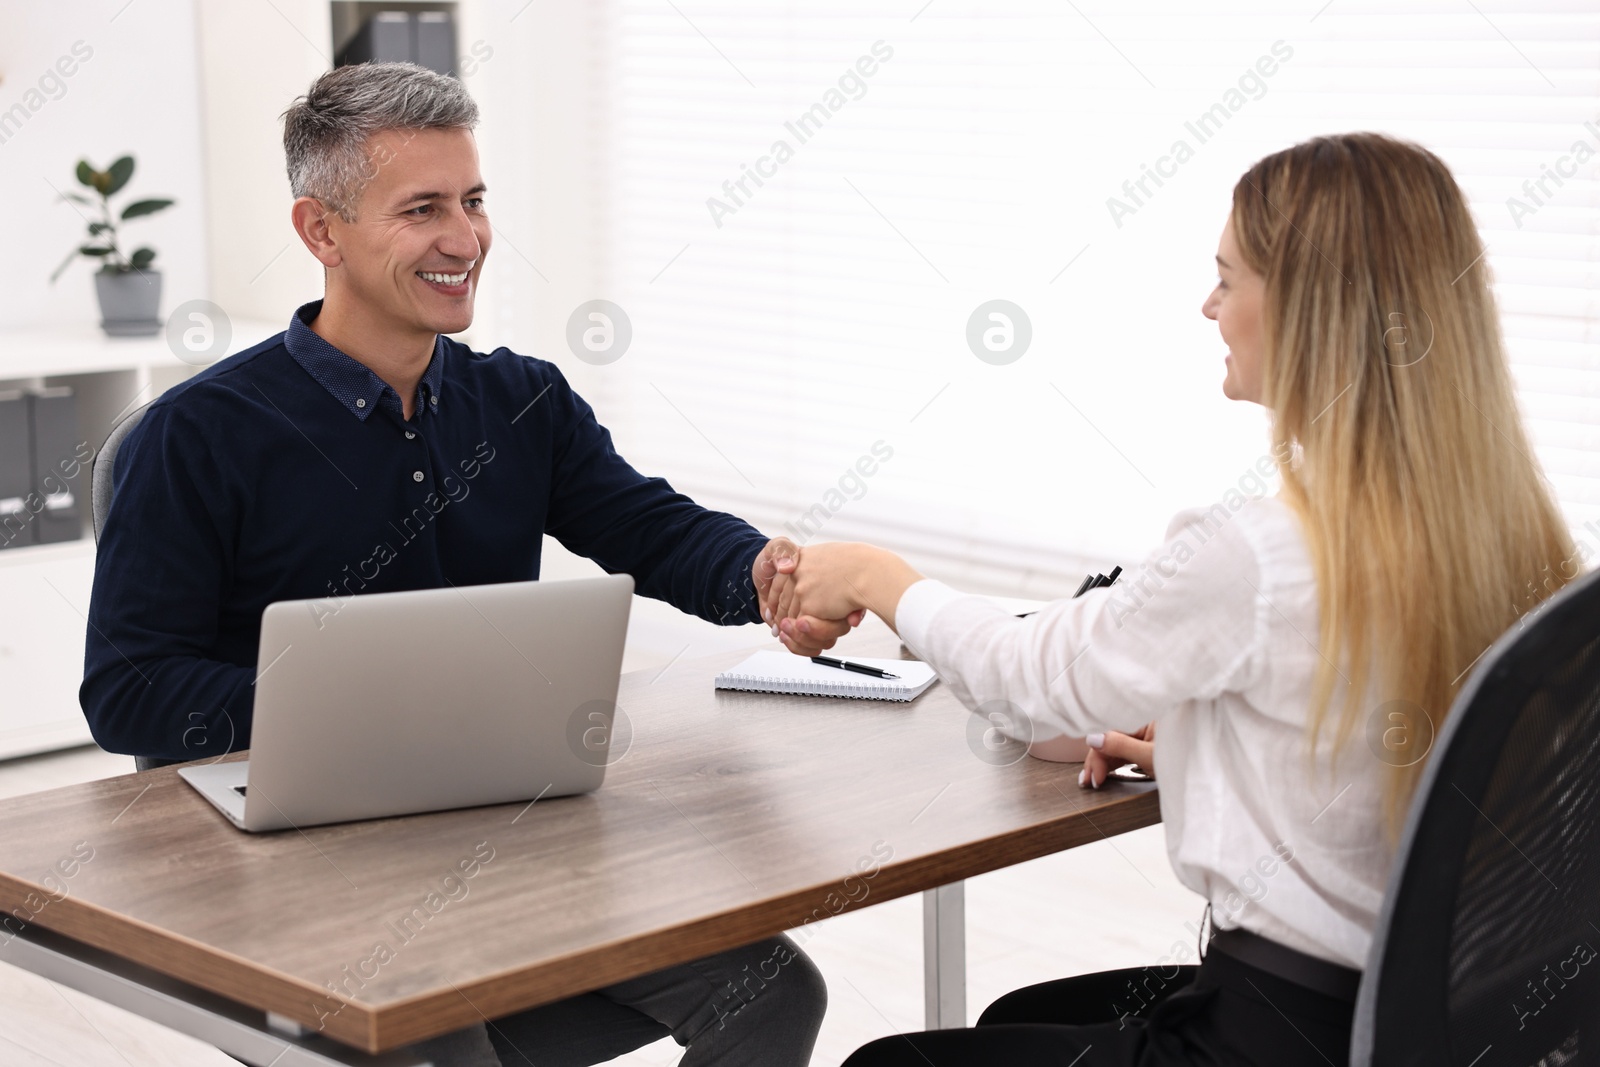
[(1487, 951), (105, 464), (100, 486)]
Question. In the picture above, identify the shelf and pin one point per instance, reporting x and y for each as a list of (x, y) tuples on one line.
[(82, 548), (85, 349)]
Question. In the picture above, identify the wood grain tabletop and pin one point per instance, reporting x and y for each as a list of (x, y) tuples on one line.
[(727, 817)]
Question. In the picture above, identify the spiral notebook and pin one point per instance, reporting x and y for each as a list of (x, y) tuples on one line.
[(784, 672)]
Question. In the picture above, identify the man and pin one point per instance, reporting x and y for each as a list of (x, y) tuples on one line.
[(362, 451)]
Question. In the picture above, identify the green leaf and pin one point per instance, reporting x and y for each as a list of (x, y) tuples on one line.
[(97, 228), (120, 172), (142, 257), (86, 174), (144, 207), (95, 250), (78, 198)]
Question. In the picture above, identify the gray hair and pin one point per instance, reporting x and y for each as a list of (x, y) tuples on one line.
[(325, 132)]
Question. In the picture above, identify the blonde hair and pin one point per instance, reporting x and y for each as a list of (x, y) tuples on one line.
[(1430, 525)]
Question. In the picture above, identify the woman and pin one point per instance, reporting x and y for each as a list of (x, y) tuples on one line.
[(1295, 649)]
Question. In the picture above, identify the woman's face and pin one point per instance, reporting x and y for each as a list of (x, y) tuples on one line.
[(1235, 306)]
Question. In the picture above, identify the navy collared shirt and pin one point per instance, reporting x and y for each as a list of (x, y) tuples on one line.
[(350, 382), (288, 472)]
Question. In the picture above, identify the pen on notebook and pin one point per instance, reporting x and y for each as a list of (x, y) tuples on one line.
[(846, 665)]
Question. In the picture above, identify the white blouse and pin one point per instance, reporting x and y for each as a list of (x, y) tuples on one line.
[(1214, 637)]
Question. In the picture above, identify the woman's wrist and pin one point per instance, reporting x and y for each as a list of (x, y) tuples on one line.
[(880, 579)]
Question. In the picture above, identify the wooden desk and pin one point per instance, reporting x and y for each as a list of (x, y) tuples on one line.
[(729, 817)]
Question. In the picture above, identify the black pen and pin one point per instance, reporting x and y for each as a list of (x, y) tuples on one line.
[(846, 665), (1098, 581)]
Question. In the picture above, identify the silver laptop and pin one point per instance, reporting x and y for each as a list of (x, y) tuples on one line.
[(395, 703)]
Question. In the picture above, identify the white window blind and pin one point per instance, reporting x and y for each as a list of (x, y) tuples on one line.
[(785, 331)]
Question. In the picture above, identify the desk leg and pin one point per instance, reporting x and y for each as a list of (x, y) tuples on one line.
[(944, 956), (235, 1029)]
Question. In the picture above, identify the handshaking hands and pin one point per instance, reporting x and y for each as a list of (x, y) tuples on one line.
[(812, 597), (805, 635)]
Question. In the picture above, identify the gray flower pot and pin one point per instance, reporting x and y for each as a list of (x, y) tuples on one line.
[(130, 302)]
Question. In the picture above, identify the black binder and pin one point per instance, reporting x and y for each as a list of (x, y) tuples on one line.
[(427, 38), (58, 470), (16, 472), (435, 41), (386, 37)]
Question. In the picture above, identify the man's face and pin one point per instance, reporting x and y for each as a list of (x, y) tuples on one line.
[(421, 232)]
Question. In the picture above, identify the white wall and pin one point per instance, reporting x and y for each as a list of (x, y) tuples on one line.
[(540, 142), (255, 59), (137, 94)]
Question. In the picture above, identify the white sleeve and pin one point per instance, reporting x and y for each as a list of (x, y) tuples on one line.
[(1186, 624)]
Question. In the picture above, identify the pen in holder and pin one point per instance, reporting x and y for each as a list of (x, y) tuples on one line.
[(1066, 749)]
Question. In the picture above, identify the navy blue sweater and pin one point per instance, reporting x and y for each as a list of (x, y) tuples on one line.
[(288, 472)]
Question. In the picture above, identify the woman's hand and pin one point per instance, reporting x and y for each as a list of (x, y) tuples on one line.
[(1115, 749), (823, 583)]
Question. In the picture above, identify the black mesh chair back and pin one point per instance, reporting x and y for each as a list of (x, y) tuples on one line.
[(1487, 952)]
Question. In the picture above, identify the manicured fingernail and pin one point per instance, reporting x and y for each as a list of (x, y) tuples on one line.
[(1096, 741), (1083, 776)]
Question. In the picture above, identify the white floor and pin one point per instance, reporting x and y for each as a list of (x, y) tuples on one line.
[(1110, 904)]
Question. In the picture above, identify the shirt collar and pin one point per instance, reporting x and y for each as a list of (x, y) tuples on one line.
[(350, 382)]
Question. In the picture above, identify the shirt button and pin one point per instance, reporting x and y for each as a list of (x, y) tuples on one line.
[(361, 403), (416, 476), (409, 435), (434, 401)]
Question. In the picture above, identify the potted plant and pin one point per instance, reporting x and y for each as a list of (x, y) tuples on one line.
[(129, 291)]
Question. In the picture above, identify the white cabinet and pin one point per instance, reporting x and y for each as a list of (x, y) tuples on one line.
[(44, 589)]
